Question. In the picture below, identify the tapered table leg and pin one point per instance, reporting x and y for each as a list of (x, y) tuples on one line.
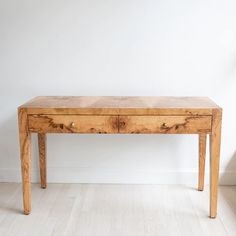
[(202, 157), (215, 139), (42, 139), (25, 154)]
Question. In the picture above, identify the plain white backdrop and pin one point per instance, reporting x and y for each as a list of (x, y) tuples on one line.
[(108, 47)]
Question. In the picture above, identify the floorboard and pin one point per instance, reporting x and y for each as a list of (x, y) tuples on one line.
[(116, 210)]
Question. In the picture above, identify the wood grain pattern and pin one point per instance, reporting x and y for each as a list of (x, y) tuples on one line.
[(73, 124), (202, 157), (111, 105), (215, 140), (25, 154), (165, 115), (164, 124), (42, 145)]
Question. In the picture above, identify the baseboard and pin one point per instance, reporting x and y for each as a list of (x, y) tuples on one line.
[(89, 175)]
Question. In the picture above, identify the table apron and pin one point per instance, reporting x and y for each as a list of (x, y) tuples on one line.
[(124, 124)]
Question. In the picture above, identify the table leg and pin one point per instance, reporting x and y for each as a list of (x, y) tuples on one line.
[(215, 139), (202, 157), (25, 154), (42, 139)]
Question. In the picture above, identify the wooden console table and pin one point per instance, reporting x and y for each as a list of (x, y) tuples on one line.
[(124, 115)]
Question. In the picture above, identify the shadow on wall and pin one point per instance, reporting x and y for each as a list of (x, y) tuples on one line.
[(228, 194), (9, 146), (9, 149), (10, 159), (229, 175), (93, 164)]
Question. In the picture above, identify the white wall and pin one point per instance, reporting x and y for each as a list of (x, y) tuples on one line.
[(127, 47)]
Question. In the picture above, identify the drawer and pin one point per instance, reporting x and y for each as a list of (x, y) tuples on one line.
[(164, 124), (73, 124)]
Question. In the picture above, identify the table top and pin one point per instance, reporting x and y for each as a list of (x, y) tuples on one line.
[(120, 105)]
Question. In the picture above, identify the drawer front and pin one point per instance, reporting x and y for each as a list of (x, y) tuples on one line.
[(73, 124), (164, 124)]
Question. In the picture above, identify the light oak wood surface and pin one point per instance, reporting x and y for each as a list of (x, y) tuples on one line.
[(215, 140), (42, 144), (73, 124), (25, 149), (202, 157), (164, 124), (126, 115), (110, 105)]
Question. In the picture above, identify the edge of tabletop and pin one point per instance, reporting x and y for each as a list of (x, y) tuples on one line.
[(120, 111), (175, 111)]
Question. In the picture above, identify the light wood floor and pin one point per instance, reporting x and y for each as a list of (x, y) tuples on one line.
[(115, 210)]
